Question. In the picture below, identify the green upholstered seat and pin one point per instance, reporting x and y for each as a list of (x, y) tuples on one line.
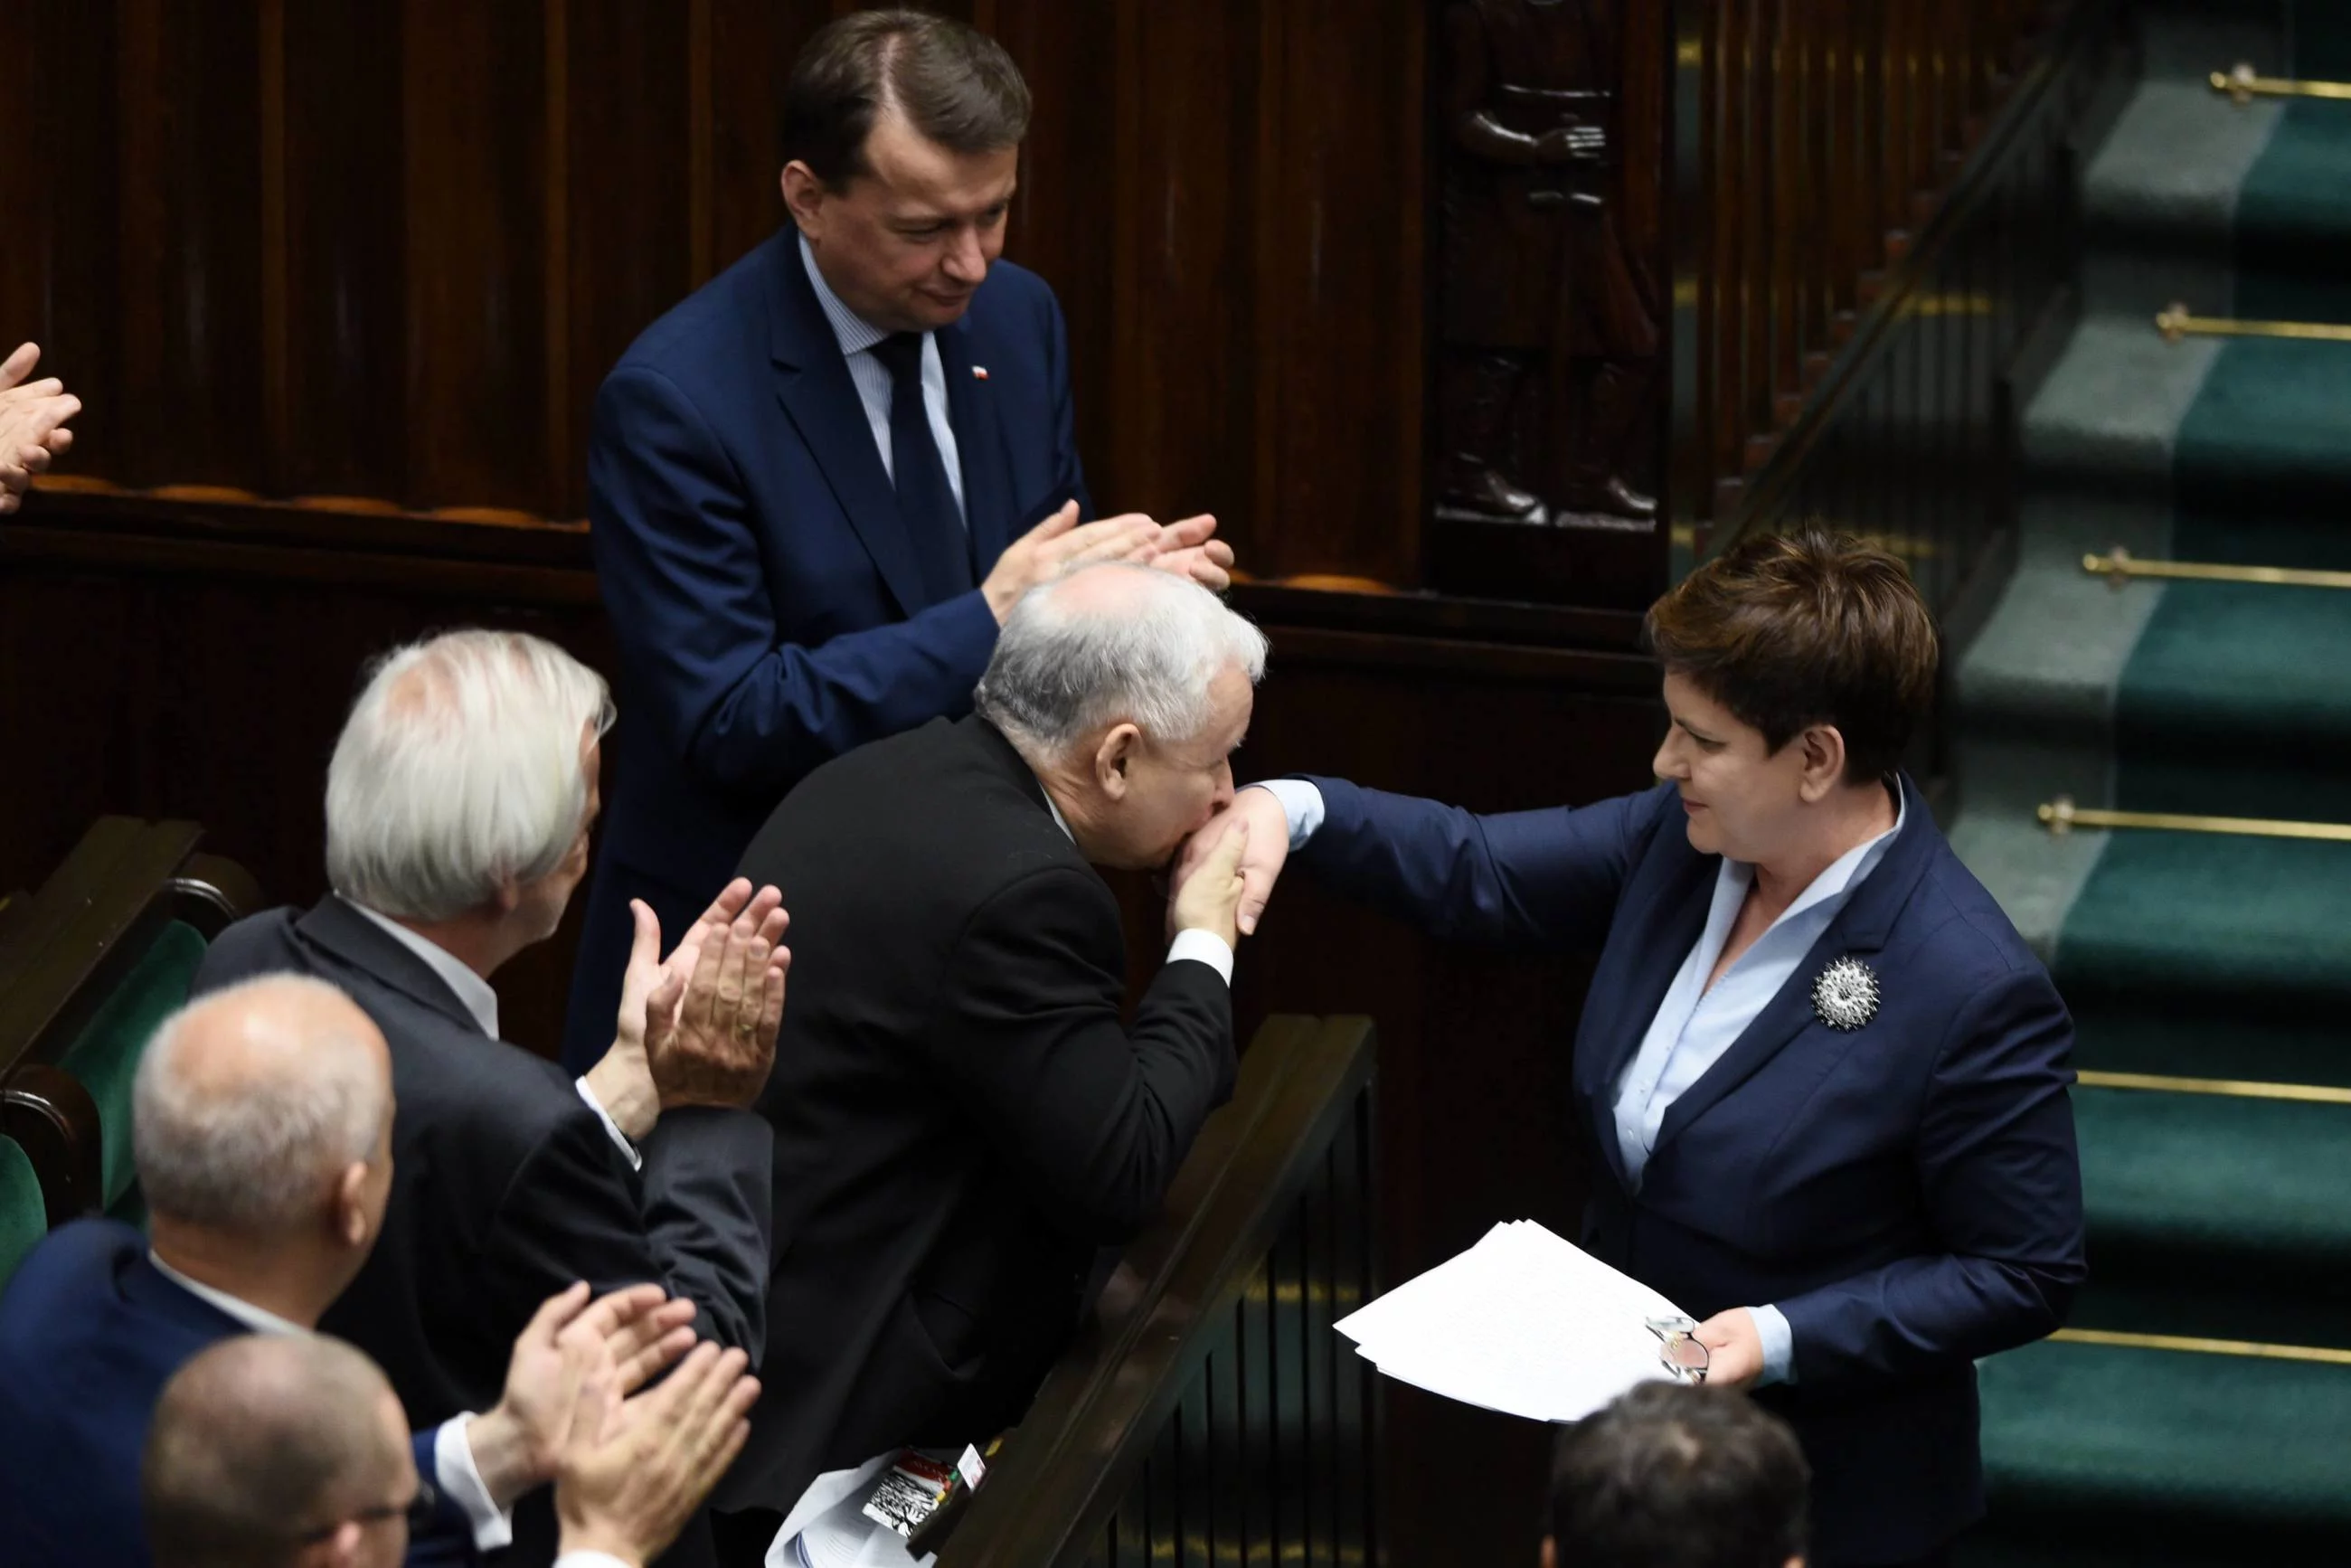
[(24, 1216), (105, 1055)]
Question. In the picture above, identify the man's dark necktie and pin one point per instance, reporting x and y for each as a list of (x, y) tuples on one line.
[(925, 502)]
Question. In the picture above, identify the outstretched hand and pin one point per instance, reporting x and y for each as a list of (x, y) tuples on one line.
[(1257, 817)]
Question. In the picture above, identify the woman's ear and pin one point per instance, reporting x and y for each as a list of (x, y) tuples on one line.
[(1823, 757)]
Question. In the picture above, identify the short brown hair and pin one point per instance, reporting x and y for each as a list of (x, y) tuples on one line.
[(1669, 1476), (952, 82), (1788, 631)]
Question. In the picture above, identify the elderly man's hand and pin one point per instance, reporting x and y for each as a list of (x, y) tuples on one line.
[(1259, 815), (633, 1472), (622, 1082), (710, 1035), (32, 417), (623, 1338)]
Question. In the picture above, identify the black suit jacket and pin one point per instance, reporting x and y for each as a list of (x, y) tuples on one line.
[(962, 1116), (506, 1186)]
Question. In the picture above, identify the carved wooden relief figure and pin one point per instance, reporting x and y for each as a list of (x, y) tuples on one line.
[(1549, 341)]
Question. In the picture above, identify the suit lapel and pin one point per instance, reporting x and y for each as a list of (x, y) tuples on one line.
[(814, 386), (979, 444), (1659, 929), (1860, 927), (350, 936)]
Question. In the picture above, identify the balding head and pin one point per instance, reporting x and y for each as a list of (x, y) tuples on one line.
[(264, 1439), (254, 1104), (1127, 689)]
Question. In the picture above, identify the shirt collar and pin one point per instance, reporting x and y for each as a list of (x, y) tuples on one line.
[(471, 990), (1842, 874), (855, 332), (257, 1319), (1059, 820)]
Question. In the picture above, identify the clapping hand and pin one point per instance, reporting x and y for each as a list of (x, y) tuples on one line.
[(623, 1082), (32, 417), (633, 1471), (712, 1021), (621, 1340)]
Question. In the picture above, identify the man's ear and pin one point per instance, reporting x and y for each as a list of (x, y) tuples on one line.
[(804, 199), (350, 1205), (1113, 756), (1550, 1553), (1823, 758)]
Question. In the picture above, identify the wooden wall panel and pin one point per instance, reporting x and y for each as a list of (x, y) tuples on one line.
[(1339, 268), (480, 313), (189, 243), (334, 212)]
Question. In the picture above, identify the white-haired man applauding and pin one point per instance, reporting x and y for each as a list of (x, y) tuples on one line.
[(458, 808)]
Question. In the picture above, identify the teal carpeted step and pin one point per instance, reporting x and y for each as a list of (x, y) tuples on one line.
[(2293, 221), (2266, 438), (2237, 702), (2181, 1189), (2229, 928), (2151, 1455), (2159, 1035)]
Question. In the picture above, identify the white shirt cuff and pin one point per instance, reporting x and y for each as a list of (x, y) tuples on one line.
[(455, 1475), (1779, 1345), (1207, 947), (589, 1560), (1301, 803), (637, 1161)]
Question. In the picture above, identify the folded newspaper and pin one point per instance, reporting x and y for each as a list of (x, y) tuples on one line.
[(1524, 1322)]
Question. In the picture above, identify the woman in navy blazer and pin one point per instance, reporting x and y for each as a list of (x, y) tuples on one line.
[(1826, 1078)]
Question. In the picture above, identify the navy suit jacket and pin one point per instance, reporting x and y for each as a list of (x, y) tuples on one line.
[(90, 1331), (1907, 1194), (768, 602)]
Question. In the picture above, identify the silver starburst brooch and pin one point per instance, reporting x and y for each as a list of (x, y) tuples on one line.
[(1845, 996)]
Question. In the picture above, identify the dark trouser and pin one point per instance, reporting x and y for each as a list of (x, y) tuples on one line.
[(744, 1538)]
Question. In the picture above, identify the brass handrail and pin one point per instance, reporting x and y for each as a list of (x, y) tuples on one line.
[(2062, 816), (2325, 1356), (2178, 322), (2119, 567), (2244, 84), (2226, 1088)]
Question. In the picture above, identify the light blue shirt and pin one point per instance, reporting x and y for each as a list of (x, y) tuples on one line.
[(1695, 1024), (857, 336)]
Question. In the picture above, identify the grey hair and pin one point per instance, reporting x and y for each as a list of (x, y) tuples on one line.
[(458, 772), (254, 1160), (1062, 671)]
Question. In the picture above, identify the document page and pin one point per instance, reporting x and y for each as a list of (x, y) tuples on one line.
[(1524, 1322)]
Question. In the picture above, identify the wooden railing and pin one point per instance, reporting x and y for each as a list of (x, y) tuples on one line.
[(1815, 143), (1207, 1414)]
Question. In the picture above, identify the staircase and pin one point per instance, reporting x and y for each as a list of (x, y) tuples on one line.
[(2199, 1410)]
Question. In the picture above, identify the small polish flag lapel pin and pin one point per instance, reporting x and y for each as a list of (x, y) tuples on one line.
[(979, 372)]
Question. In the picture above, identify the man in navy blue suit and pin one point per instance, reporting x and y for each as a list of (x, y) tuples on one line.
[(262, 1127), (819, 484), (1826, 1079)]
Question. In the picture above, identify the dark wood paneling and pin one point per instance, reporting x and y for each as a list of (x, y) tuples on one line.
[(483, 305), (336, 321), (189, 243)]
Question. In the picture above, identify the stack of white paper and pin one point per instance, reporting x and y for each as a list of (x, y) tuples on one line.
[(1524, 1322)]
